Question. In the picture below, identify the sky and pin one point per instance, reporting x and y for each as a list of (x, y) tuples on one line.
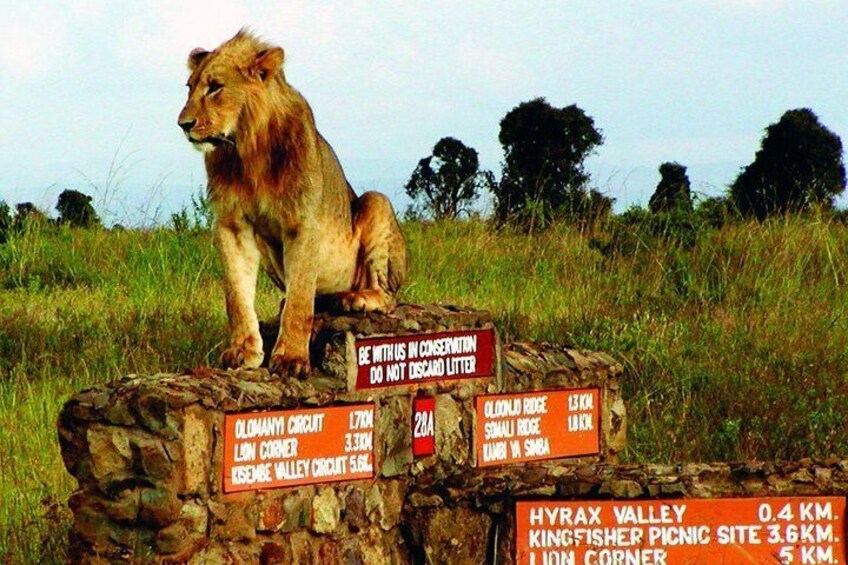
[(90, 89)]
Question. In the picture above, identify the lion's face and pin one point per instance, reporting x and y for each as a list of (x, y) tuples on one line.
[(221, 84)]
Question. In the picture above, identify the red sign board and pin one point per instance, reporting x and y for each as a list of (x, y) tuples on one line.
[(423, 426), (405, 360), (532, 426), (795, 530), (298, 447)]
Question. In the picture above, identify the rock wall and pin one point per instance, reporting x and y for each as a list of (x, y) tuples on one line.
[(487, 507), (147, 452)]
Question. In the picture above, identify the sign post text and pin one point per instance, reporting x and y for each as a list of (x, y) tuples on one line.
[(405, 360), (423, 426), (298, 447), (513, 428), (796, 530)]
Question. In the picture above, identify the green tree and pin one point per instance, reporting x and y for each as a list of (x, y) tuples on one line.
[(799, 165), (446, 183), (543, 172), (588, 208), (674, 190), (75, 209), (5, 221), (27, 211), (716, 211)]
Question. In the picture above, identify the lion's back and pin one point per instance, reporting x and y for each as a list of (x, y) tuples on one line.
[(338, 194)]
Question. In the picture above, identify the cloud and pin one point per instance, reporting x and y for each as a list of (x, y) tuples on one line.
[(695, 148), (770, 5), (86, 8), (353, 49), (33, 40), (157, 34)]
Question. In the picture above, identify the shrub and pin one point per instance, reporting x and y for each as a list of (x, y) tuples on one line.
[(799, 165), (543, 174)]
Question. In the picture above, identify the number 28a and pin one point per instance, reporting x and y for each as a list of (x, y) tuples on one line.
[(424, 425)]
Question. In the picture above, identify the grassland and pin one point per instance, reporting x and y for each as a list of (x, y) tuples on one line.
[(736, 347)]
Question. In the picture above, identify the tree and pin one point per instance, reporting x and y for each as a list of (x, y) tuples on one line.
[(452, 186), (588, 208), (798, 165), (716, 211), (75, 209), (5, 221), (27, 211), (673, 191), (544, 150)]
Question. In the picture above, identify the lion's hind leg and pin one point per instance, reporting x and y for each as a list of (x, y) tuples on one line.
[(381, 260)]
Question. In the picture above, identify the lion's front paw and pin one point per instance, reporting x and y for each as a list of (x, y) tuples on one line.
[(353, 302), (370, 300), (282, 365), (246, 355)]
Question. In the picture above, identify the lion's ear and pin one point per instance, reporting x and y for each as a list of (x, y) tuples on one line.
[(196, 57), (267, 63)]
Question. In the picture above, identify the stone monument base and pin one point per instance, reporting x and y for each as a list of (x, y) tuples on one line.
[(150, 452)]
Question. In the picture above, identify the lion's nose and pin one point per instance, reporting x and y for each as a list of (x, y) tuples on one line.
[(187, 125)]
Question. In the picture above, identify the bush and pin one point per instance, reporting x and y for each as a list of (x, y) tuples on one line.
[(198, 219), (543, 175), (673, 191), (5, 221), (449, 189), (638, 228), (717, 211), (798, 166), (75, 210)]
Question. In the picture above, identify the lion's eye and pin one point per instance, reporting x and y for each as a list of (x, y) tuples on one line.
[(214, 87)]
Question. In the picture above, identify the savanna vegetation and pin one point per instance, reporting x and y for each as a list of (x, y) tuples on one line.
[(735, 344), (730, 314)]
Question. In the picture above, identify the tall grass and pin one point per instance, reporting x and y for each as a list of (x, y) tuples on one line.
[(736, 346)]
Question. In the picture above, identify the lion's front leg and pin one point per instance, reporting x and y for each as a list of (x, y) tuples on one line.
[(240, 258), (291, 352)]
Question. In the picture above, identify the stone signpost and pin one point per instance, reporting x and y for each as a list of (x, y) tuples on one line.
[(419, 436)]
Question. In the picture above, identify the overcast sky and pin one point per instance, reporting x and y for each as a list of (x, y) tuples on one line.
[(89, 84)]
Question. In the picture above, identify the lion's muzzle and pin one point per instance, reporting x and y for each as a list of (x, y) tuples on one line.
[(187, 126)]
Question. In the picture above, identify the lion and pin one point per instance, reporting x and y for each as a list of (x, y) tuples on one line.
[(281, 199)]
